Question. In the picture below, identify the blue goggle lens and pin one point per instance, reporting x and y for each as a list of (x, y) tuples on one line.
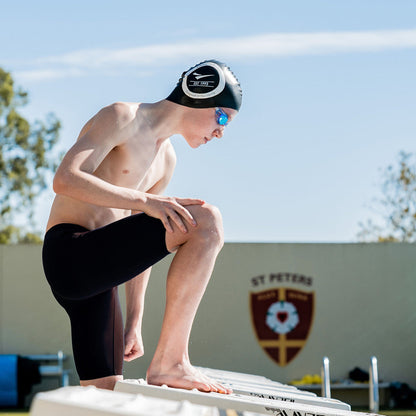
[(222, 118)]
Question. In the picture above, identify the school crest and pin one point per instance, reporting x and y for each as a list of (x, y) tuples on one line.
[(282, 319)]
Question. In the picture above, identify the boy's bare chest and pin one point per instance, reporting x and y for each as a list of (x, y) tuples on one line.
[(134, 165)]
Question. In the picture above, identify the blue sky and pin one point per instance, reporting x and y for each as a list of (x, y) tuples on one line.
[(329, 97)]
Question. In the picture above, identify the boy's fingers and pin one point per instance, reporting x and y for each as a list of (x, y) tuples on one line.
[(190, 201), (177, 219), (187, 216), (167, 225)]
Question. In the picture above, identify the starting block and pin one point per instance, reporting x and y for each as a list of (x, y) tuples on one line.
[(230, 377), (90, 401), (246, 383), (243, 404), (252, 396)]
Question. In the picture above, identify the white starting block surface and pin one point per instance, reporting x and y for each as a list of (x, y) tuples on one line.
[(245, 404), (295, 396), (245, 383), (90, 401), (234, 376)]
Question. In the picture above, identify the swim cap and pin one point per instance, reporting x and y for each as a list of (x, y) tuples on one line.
[(208, 84)]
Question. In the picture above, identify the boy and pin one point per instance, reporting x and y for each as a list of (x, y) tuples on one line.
[(109, 224)]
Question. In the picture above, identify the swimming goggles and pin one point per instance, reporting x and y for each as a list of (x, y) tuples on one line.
[(221, 116)]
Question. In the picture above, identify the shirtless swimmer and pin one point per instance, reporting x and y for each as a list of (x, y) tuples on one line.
[(109, 223)]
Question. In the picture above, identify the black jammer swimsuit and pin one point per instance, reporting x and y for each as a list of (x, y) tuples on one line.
[(84, 269)]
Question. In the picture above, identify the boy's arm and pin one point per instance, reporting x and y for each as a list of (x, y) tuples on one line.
[(75, 176), (135, 294), (136, 287)]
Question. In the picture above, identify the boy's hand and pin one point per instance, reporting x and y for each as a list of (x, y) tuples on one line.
[(169, 209), (133, 344)]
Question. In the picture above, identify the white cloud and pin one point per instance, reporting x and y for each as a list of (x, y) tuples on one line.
[(41, 74), (83, 62)]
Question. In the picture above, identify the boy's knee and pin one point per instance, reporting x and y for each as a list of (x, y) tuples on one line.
[(211, 214), (208, 232), (209, 222)]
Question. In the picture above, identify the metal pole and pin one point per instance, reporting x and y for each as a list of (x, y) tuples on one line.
[(61, 367), (374, 398), (326, 382)]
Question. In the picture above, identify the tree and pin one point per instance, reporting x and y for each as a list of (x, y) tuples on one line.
[(397, 206), (26, 159)]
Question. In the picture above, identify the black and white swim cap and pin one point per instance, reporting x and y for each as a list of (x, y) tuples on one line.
[(208, 84)]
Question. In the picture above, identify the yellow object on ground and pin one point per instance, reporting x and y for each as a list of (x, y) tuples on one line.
[(307, 379)]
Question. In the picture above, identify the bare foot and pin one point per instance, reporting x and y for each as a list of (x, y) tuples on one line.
[(184, 376)]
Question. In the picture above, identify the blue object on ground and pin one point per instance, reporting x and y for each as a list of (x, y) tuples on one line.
[(8, 380)]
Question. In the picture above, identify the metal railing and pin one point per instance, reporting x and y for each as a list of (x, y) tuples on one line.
[(326, 380), (52, 365), (374, 399)]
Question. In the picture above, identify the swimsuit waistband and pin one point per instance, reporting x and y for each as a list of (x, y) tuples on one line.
[(65, 226)]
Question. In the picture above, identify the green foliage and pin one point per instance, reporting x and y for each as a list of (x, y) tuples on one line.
[(397, 206), (25, 160), (14, 235)]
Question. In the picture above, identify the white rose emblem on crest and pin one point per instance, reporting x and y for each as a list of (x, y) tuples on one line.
[(282, 317)]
